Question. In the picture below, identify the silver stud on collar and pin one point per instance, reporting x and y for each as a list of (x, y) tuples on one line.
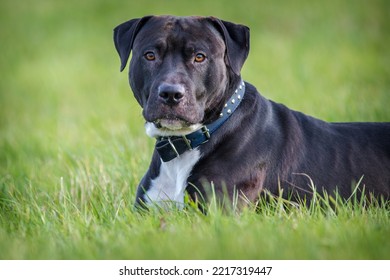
[(236, 97)]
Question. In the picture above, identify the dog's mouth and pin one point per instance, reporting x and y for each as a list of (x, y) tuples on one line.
[(170, 127), (173, 124), (163, 121)]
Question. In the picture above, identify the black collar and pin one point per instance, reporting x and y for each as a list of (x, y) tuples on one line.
[(170, 147)]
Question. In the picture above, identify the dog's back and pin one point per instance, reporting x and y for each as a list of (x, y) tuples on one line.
[(333, 156)]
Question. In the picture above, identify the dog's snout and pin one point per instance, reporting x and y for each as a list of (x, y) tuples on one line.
[(171, 94)]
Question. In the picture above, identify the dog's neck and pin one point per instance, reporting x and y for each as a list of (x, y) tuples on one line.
[(170, 147)]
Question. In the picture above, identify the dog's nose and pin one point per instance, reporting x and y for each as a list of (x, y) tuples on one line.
[(171, 94)]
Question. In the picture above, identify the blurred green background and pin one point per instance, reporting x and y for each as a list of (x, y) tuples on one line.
[(68, 120)]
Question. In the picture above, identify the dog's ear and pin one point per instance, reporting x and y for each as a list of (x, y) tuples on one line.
[(124, 35), (236, 38)]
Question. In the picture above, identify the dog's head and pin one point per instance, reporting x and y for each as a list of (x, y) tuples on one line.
[(181, 68)]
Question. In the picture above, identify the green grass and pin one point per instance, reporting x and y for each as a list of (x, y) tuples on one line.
[(73, 147)]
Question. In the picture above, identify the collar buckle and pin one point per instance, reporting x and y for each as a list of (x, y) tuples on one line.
[(206, 132), (187, 141)]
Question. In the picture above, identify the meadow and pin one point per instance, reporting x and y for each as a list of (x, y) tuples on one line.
[(73, 147)]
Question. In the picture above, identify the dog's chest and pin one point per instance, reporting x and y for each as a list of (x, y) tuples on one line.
[(170, 184)]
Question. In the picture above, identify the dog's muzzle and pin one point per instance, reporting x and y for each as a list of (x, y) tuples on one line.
[(170, 147)]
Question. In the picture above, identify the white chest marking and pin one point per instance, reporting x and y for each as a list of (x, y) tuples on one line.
[(170, 184)]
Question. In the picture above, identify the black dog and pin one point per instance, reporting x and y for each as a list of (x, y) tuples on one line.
[(214, 130)]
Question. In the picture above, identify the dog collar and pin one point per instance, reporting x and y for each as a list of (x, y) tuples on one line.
[(170, 147)]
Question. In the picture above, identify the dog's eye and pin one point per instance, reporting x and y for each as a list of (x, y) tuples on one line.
[(200, 57), (150, 56)]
